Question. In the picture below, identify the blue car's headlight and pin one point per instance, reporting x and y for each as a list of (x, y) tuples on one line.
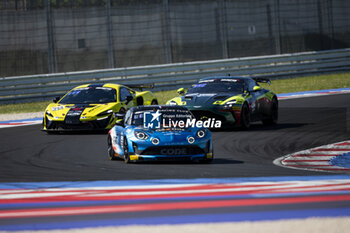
[(200, 133), (191, 140), (155, 141), (141, 135)]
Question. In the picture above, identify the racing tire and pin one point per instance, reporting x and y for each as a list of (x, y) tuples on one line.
[(110, 149), (207, 160), (154, 102), (126, 151), (139, 101), (245, 117), (272, 120), (51, 132)]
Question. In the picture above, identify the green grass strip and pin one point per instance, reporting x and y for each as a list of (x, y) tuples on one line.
[(309, 83)]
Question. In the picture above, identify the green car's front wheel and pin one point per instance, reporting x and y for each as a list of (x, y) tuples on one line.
[(272, 120), (245, 117)]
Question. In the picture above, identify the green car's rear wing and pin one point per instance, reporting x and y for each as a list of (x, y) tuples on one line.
[(263, 80)]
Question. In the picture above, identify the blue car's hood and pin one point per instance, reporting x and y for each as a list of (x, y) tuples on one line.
[(170, 136), (165, 135)]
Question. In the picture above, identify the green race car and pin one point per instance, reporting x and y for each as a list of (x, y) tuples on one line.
[(235, 101)]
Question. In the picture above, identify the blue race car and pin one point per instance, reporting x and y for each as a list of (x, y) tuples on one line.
[(160, 133)]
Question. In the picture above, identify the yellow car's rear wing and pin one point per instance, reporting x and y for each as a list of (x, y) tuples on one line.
[(141, 86)]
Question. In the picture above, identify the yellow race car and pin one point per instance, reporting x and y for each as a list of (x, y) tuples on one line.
[(93, 107)]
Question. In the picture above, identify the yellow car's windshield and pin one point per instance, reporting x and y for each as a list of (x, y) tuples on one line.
[(90, 95)]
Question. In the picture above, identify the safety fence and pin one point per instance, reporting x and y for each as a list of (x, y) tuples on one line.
[(171, 76), (55, 36)]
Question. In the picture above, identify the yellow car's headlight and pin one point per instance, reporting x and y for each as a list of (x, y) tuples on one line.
[(49, 113), (105, 113)]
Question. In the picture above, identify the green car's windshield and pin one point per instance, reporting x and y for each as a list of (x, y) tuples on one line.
[(90, 95), (217, 87)]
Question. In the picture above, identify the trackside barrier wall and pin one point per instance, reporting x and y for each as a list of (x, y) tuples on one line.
[(171, 76)]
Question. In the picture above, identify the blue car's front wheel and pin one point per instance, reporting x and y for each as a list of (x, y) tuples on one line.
[(111, 152), (209, 160), (126, 151)]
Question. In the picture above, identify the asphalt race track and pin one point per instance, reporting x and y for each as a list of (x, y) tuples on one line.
[(249, 187), (27, 154)]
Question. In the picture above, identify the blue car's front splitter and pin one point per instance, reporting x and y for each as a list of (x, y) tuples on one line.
[(197, 157)]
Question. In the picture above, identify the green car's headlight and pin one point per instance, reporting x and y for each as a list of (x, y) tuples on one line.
[(105, 112), (172, 103), (141, 135), (229, 104)]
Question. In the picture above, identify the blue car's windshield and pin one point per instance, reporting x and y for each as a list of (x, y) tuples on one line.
[(217, 87), (168, 118), (90, 95)]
